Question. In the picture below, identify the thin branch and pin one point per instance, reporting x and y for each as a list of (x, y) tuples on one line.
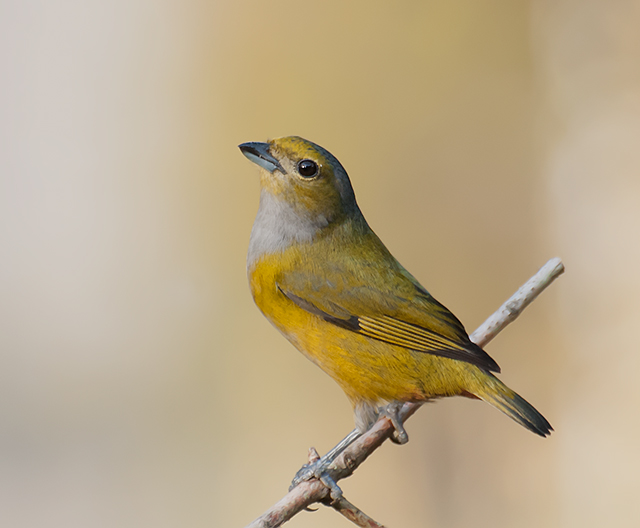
[(299, 498), (514, 306), (313, 491), (356, 516)]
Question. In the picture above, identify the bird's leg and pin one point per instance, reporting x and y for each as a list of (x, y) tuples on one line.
[(366, 416), (318, 469), (392, 411)]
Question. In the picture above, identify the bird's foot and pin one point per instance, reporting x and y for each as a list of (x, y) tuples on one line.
[(392, 412), (317, 469)]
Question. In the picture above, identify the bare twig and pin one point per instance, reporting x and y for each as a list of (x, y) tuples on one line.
[(517, 302), (313, 491), (299, 498), (356, 516)]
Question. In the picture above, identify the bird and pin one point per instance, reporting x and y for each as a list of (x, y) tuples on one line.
[(324, 279)]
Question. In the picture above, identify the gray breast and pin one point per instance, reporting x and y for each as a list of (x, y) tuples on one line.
[(278, 225)]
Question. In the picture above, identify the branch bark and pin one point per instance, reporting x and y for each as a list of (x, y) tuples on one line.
[(313, 491), (355, 515)]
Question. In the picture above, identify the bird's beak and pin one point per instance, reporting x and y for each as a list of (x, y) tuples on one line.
[(260, 155)]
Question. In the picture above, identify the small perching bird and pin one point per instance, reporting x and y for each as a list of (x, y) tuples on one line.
[(323, 278)]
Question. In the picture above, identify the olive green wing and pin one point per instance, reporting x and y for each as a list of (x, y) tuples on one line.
[(388, 306)]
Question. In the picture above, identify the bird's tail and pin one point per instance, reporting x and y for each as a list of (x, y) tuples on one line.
[(496, 393)]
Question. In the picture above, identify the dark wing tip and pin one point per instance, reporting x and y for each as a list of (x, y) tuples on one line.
[(485, 361)]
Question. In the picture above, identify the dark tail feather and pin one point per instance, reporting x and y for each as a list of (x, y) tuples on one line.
[(504, 399)]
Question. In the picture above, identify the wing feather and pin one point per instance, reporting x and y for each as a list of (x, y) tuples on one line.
[(416, 321)]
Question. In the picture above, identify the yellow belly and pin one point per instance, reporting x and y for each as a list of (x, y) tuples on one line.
[(366, 369)]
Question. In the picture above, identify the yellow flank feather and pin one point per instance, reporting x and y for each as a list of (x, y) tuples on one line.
[(366, 369), (325, 280)]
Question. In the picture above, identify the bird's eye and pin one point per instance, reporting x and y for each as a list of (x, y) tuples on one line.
[(307, 168)]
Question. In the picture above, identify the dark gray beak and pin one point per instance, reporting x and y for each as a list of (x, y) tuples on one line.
[(260, 155)]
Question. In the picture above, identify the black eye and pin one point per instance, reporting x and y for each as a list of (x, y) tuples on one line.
[(307, 168)]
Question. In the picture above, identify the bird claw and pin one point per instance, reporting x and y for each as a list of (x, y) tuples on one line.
[(306, 472), (392, 411), (317, 470)]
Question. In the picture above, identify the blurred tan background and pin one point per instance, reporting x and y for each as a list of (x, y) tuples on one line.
[(140, 386)]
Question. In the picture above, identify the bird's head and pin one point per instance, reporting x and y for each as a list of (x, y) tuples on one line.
[(305, 176)]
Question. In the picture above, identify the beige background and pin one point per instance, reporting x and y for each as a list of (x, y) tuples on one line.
[(139, 385)]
